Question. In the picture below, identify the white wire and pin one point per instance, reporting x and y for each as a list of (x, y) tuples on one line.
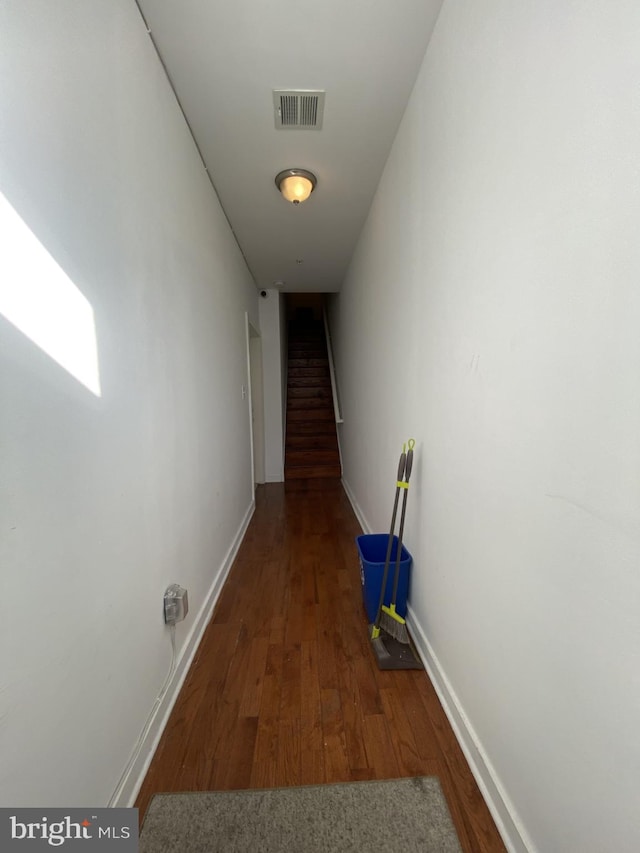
[(147, 725)]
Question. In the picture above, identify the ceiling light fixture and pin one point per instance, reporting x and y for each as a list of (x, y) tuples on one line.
[(296, 185)]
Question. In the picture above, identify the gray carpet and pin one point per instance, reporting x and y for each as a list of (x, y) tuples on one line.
[(395, 816)]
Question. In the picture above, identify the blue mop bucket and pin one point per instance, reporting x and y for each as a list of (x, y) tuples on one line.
[(372, 548)]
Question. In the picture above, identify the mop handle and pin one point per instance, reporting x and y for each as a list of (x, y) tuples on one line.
[(407, 475), (385, 574)]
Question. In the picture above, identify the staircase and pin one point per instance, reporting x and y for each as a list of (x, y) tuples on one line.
[(311, 448)]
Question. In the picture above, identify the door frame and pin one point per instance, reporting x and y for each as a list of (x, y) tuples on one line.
[(256, 403)]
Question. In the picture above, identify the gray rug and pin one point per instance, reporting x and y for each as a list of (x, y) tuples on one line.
[(395, 816)]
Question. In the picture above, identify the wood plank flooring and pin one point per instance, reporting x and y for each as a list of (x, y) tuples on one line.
[(284, 689)]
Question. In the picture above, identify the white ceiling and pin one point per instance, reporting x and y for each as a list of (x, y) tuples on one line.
[(224, 58)]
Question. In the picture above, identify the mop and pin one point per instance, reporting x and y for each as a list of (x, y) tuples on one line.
[(390, 639)]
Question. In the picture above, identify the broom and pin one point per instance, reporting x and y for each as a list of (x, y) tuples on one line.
[(390, 620), (375, 630)]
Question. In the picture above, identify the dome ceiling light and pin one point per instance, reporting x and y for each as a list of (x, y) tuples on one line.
[(296, 185)]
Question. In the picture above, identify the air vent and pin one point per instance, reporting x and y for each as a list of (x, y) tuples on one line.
[(298, 109)]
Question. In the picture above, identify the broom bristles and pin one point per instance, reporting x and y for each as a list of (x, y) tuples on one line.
[(394, 624)]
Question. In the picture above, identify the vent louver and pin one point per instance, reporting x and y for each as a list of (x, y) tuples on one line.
[(298, 109)]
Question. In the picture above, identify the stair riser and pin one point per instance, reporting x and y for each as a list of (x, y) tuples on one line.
[(308, 403), (309, 391), (320, 380), (330, 472), (311, 442), (310, 429), (295, 458), (311, 416), (313, 343), (308, 373), (297, 354), (308, 362)]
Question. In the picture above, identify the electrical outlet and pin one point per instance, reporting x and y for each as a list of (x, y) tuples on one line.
[(176, 604)]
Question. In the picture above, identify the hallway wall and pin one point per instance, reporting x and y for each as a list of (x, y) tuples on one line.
[(108, 499), (492, 311)]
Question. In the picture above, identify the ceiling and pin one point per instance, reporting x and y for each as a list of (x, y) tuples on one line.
[(224, 58)]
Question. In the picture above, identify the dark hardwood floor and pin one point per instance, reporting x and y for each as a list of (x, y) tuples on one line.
[(284, 689)]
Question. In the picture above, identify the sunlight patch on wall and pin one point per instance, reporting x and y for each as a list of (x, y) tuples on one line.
[(39, 298)]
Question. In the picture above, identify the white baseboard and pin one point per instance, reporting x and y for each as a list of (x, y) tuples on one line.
[(498, 803), (364, 524), (131, 782)]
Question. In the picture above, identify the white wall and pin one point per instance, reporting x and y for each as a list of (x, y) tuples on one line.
[(106, 500), (272, 370), (492, 311)]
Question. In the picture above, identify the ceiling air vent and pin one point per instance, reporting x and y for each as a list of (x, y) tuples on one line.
[(298, 109)]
